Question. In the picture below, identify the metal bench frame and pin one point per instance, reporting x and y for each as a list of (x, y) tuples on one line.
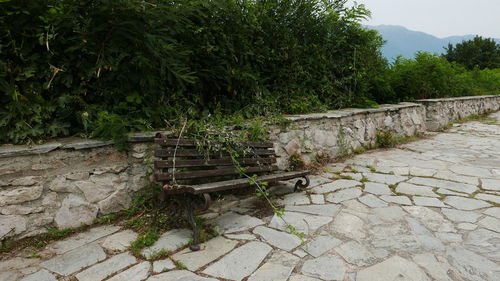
[(172, 154)]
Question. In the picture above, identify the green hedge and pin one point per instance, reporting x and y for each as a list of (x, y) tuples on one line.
[(105, 67), (431, 76), (84, 66)]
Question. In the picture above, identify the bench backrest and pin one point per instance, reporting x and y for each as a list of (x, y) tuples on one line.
[(191, 167)]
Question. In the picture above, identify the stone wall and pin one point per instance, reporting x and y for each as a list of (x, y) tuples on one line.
[(440, 112), (65, 184), (340, 132), (70, 182)]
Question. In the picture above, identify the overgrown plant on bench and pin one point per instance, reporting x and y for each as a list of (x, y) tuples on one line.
[(202, 159)]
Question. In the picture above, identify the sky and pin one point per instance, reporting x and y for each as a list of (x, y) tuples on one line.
[(440, 18)]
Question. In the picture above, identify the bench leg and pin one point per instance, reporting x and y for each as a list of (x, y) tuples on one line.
[(303, 182), (195, 246)]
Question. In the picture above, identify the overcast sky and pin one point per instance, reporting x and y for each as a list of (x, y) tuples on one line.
[(440, 18)]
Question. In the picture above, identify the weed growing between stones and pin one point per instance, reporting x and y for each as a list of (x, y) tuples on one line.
[(39, 241), (179, 265)]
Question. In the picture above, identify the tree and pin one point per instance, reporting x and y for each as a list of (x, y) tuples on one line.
[(479, 52)]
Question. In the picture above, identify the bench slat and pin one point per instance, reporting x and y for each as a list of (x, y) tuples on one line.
[(196, 153), (212, 173), (237, 183), (186, 163), (185, 142)]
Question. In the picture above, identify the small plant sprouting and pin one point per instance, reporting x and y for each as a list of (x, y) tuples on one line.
[(179, 265)]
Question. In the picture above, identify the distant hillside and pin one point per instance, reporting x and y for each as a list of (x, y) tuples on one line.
[(402, 41)]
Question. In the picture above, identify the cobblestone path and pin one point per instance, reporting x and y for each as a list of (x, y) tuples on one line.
[(427, 210)]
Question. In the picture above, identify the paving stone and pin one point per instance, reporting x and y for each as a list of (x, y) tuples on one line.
[(377, 188), (431, 219), (354, 176), (41, 275), (298, 277), (336, 185), (389, 214), (488, 197), (322, 210), (169, 241), (494, 212), (460, 216), (75, 260), (349, 225), (209, 216), (490, 223), (355, 253), (436, 269), (401, 200), (179, 275), (321, 244), (120, 241), (302, 222), (317, 180), (343, 195), (372, 201), (243, 236), (279, 239), (317, 199), (472, 266), (471, 171), (449, 237), (412, 189), (447, 175), (401, 171), (394, 268), (135, 273), (278, 267), (232, 222), (490, 184), (300, 253), (424, 236), (83, 238), (462, 203), (325, 268), (450, 185), (466, 226), (417, 171), (17, 263), (163, 265), (484, 242), (384, 178), (241, 262), (210, 251), (107, 268), (445, 191), (428, 202), (396, 242), (300, 198), (355, 207)]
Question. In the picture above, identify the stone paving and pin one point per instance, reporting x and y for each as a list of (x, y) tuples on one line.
[(427, 210)]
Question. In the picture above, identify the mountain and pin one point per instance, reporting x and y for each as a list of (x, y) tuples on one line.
[(405, 42)]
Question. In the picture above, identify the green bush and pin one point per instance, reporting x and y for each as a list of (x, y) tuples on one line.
[(102, 68), (81, 66), (430, 76)]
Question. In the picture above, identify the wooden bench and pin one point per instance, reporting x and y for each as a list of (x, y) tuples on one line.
[(181, 169)]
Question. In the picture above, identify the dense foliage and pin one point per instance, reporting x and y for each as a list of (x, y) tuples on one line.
[(105, 67), (431, 76), (479, 52)]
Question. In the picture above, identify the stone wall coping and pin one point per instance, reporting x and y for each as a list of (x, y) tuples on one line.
[(347, 112), (73, 143), (457, 99)]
